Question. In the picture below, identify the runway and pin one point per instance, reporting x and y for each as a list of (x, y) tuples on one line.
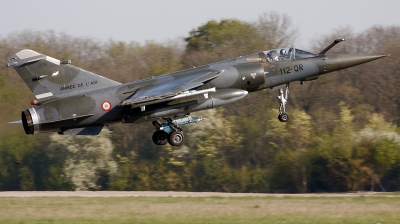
[(27, 194)]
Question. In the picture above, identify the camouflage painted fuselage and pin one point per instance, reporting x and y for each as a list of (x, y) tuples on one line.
[(70, 100)]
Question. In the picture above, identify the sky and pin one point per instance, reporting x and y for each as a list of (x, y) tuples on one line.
[(164, 20)]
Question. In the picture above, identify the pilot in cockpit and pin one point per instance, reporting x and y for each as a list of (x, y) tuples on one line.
[(269, 56), (283, 55), (274, 55)]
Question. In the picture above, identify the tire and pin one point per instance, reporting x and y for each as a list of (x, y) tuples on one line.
[(176, 138), (160, 138), (283, 117)]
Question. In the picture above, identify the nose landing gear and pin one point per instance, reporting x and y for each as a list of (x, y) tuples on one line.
[(171, 131), (283, 116)]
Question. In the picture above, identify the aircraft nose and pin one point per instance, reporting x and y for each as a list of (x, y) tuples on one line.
[(341, 61)]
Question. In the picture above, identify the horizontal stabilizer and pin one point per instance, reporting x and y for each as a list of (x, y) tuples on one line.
[(15, 122)]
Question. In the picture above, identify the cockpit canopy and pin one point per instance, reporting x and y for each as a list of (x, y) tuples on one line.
[(287, 53)]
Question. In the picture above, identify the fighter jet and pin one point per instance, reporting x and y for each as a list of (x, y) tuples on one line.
[(73, 101)]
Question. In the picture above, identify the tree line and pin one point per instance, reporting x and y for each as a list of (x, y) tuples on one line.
[(343, 134)]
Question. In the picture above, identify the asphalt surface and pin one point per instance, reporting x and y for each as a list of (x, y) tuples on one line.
[(24, 194)]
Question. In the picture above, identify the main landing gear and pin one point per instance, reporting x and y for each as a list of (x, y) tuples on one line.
[(283, 116), (171, 131)]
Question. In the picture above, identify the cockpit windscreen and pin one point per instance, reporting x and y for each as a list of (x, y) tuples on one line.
[(287, 53), (300, 54)]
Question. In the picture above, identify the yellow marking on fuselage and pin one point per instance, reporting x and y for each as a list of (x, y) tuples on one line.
[(254, 59)]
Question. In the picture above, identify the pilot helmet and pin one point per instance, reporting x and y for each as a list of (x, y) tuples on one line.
[(283, 52), (269, 56)]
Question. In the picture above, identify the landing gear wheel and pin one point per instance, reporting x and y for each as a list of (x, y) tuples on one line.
[(160, 138), (283, 117), (176, 138)]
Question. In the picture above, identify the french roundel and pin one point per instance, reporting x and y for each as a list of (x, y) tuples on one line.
[(106, 105)]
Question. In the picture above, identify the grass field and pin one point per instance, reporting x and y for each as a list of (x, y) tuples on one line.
[(269, 209)]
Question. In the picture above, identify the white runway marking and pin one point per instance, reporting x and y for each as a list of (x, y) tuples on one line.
[(24, 194)]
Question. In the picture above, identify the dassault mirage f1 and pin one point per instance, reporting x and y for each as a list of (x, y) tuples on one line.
[(73, 101)]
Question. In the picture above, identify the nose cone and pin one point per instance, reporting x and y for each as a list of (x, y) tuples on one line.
[(341, 61)]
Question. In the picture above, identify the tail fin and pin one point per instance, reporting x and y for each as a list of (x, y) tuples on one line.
[(47, 77)]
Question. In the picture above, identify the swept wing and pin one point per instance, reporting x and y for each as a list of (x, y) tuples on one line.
[(162, 90)]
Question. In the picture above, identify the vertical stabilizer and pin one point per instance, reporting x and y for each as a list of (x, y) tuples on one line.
[(47, 77)]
